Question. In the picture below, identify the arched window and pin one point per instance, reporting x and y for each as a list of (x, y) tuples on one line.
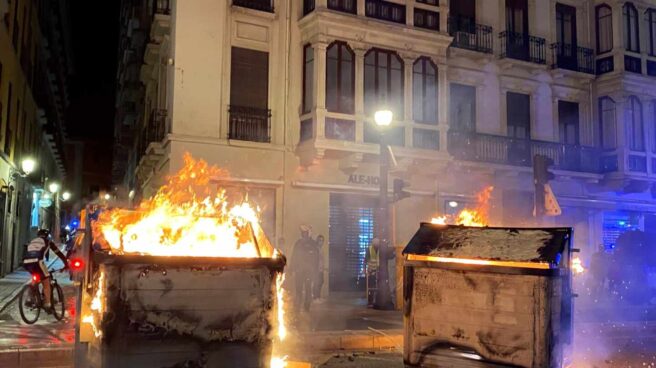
[(340, 78), (604, 28), (607, 123), (631, 31), (383, 82), (635, 131), (650, 17), (424, 91)]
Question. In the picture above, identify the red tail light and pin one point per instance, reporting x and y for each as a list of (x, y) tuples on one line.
[(77, 264), (35, 278)]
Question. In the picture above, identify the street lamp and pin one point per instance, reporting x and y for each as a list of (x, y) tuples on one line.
[(107, 196), (28, 165), (383, 119), (66, 196), (53, 187)]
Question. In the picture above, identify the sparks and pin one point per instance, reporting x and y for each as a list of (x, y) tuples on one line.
[(577, 265)]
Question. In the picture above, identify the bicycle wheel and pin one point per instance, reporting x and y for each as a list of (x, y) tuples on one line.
[(58, 303), (29, 304)]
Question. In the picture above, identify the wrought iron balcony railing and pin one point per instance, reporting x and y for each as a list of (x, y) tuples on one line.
[(503, 150), (522, 46), (469, 35), (250, 124), (427, 19), (632, 64), (263, 5), (567, 56), (385, 10), (346, 6)]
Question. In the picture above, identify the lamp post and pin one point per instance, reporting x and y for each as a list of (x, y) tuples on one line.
[(383, 119), (54, 188)]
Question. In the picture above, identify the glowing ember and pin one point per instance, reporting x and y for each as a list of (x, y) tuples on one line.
[(577, 265), (282, 330), (470, 217), (186, 218), (439, 220), (278, 362), (96, 306), (480, 262)]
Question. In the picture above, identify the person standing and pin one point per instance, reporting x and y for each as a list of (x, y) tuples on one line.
[(318, 282), (304, 264), (598, 271)]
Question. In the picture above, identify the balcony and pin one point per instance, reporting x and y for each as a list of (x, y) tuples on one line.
[(262, 5), (154, 132), (521, 46), (578, 59), (250, 124), (427, 19), (605, 65), (519, 152), (469, 35), (385, 10), (345, 6)]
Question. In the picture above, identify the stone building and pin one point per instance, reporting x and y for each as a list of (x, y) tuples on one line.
[(282, 94)]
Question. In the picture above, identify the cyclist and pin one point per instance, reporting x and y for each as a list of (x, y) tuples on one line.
[(33, 261)]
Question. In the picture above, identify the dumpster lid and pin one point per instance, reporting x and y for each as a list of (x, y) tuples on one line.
[(536, 245)]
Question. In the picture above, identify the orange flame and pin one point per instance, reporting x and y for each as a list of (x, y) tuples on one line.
[(478, 216), (577, 265), (186, 217)]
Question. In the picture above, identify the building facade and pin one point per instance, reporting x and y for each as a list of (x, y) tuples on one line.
[(34, 68), (282, 95)]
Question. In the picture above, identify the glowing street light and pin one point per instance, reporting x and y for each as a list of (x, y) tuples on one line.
[(53, 187), (107, 196), (28, 165), (383, 118), (66, 196)]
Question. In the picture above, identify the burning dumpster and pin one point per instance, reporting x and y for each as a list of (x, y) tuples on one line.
[(487, 297), (187, 279)]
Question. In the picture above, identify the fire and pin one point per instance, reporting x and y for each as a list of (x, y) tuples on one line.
[(478, 216), (96, 306), (577, 265), (186, 218)]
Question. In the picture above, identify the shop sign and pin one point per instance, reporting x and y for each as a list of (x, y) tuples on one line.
[(45, 202), (363, 179)]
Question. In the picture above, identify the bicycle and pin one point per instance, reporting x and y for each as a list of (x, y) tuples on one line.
[(30, 299)]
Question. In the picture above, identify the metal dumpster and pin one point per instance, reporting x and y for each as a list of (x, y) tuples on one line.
[(180, 311), (487, 297)]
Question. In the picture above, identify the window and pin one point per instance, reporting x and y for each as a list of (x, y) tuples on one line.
[(604, 29), (462, 107), (340, 78), (383, 82), (568, 122), (249, 95), (249, 78), (631, 38), (308, 78), (650, 17), (516, 16), (566, 29), (634, 125), (607, 123), (424, 91), (519, 115), (653, 126)]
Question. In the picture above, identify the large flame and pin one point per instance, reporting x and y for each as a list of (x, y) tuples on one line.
[(186, 217), (97, 306), (478, 216)]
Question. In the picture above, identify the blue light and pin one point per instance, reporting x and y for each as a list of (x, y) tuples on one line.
[(621, 223)]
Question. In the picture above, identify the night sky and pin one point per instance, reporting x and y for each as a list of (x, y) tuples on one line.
[(94, 33)]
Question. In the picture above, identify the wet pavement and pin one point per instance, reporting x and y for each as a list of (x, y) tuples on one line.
[(47, 331)]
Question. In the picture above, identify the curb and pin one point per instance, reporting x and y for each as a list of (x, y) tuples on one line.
[(353, 340), (46, 357)]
